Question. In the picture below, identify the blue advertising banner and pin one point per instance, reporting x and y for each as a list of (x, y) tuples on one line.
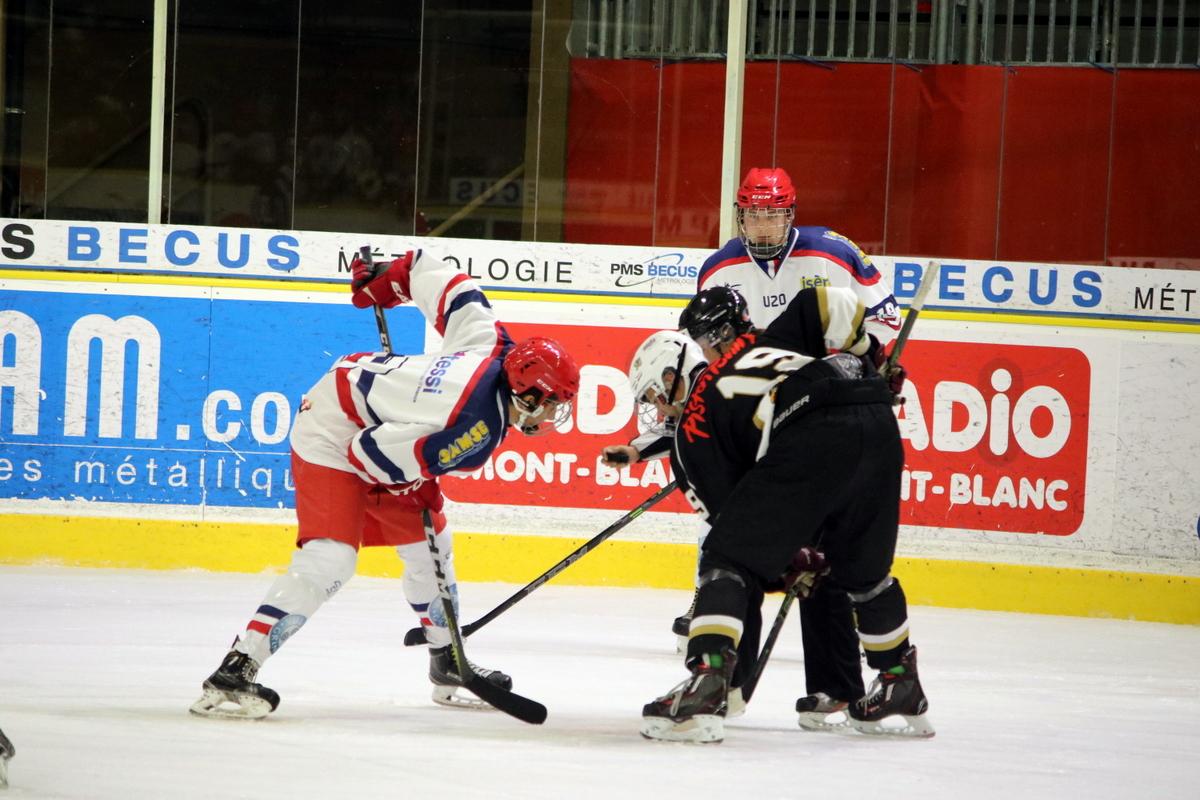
[(174, 396)]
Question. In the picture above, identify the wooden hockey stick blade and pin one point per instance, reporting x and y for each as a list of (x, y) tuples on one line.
[(510, 703)]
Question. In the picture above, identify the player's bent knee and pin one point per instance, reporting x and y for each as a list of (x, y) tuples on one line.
[(325, 562)]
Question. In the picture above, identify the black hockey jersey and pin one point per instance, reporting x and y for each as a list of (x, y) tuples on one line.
[(808, 357)]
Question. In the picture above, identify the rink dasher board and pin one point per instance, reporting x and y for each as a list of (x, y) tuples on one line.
[(1117, 516)]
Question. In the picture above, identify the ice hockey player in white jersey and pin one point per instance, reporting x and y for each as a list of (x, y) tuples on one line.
[(771, 259), (370, 441)]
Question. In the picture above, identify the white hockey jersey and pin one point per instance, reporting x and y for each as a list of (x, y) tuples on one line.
[(815, 257), (395, 419)]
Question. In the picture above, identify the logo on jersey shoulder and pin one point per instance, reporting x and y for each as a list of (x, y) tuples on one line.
[(475, 439), (868, 268)]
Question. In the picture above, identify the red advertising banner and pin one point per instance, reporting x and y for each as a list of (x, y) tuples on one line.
[(995, 436)]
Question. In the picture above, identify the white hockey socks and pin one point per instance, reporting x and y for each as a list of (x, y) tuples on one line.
[(317, 571), (420, 585)]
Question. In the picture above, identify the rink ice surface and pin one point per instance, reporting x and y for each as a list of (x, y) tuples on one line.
[(98, 668)]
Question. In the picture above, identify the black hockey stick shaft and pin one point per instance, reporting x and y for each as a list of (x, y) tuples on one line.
[(385, 338), (510, 703), (417, 635), (752, 682)]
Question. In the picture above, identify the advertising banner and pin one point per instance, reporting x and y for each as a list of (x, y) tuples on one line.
[(996, 437), (175, 400), (989, 286)]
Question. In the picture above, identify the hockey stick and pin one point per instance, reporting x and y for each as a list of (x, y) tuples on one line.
[(910, 316), (504, 700), (417, 635), (910, 319), (385, 338)]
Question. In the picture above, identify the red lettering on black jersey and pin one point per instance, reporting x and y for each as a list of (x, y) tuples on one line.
[(695, 413)]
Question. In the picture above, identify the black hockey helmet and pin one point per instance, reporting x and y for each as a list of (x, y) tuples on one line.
[(718, 314)]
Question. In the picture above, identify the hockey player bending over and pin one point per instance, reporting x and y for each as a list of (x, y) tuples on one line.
[(788, 441), (370, 441)]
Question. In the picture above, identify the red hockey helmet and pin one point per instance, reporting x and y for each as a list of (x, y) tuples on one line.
[(766, 188), (766, 204), (542, 374)]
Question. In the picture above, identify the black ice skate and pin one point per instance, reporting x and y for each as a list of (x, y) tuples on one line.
[(694, 711), (443, 673), (233, 683), (7, 751), (820, 712), (894, 696)]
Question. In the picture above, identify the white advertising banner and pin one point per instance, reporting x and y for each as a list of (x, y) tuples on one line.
[(991, 286)]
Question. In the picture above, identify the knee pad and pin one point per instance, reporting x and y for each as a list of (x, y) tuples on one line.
[(326, 563)]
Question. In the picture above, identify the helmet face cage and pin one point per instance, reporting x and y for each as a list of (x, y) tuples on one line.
[(766, 234), (663, 357)]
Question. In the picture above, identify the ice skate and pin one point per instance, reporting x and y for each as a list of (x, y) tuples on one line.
[(694, 711), (735, 704), (7, 751), (891, 696), (820, 712), (682, 625), (233, 683), (680, 628), (447, 685)]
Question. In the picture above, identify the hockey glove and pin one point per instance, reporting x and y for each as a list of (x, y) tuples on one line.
[(386, 287), (805, 572), (419, 495), (877, 354)]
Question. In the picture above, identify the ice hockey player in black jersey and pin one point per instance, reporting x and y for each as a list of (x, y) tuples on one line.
[(787, 441)]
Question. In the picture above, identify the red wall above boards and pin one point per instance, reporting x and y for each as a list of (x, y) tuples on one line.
[(1065, 164)]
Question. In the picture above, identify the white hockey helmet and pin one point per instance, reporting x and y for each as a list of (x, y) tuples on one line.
[(666, 357)]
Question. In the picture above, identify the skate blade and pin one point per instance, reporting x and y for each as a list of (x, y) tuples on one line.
[(216, 704), (735, 704), (457, 697), (700, 729), (823, 721), (681, 643), (915, 726), (3, 772)]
